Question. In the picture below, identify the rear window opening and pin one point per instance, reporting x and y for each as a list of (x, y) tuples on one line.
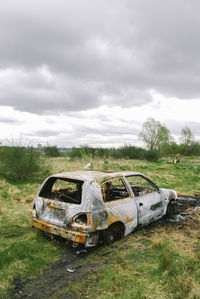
[(62, 189)]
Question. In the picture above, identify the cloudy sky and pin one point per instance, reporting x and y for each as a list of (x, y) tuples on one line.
[(76, 72)]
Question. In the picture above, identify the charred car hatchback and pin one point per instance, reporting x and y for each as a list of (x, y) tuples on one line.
[(87, 206)]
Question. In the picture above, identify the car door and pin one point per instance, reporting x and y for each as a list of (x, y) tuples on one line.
[(148, 199), (120, 205)]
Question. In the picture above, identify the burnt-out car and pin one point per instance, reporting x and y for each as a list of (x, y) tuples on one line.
[(89, 206)]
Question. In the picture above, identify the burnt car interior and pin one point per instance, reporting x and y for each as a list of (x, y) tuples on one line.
[(140, 185), (114, 189), (62, 189)]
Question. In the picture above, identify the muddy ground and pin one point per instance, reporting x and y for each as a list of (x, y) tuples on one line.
[(69, 269)]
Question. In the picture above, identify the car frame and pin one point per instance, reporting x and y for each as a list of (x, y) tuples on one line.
[(90, 206)]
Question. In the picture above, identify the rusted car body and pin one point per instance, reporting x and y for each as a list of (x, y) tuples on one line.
[(88, 206)]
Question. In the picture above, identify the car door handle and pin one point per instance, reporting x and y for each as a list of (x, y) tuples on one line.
[(140, 204)]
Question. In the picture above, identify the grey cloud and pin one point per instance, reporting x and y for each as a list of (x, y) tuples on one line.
[(85, 133), (107, 129), (45, 133), (39, 91), (97, 53), (8, 120)]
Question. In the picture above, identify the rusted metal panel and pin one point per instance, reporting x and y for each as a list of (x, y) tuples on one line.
[(59, 231)]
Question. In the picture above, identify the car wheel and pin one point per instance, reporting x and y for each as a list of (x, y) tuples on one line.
[(113, 233)]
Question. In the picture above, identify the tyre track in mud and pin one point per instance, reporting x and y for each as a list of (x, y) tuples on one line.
[(66, 270), (69, 268)]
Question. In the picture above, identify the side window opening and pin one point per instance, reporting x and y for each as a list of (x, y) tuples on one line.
[(62, 189), (140, 185), (113, 190)]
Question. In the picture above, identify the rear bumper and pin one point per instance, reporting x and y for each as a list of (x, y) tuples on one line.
[(74, 236)]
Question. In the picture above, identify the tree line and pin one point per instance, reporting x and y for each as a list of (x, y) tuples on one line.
[(158, 140)]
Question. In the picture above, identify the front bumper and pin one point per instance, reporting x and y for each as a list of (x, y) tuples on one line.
[(74, 236)]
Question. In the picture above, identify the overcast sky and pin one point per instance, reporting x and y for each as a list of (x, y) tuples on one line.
[(92, 71)]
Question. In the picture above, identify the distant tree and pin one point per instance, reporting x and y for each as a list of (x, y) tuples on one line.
[(187, 137), (164, 139), (155, 135), (150, 133)]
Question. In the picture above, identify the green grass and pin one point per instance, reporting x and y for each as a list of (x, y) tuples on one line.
[(24, 251), (158, 266), (142, 267), (161, 265)]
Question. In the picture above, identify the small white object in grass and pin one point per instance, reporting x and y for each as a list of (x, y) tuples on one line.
[(70, 270), (89, 165)]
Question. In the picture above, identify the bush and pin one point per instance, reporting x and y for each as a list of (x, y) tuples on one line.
[(124, 152), (152, 155), (52, 151), (21, 164), (86, 153)]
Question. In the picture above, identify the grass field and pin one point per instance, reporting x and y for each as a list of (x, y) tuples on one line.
[(162, 260)]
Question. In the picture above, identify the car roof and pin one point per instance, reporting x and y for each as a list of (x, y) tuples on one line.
[(92, 175)]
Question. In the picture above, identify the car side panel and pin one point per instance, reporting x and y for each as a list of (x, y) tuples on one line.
[(123, 210), (150, 207)]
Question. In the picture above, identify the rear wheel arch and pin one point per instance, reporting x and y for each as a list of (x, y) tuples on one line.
[(113, 233), (170, 207)]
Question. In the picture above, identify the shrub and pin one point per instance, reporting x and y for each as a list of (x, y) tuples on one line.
[(86, 153), (21, 164), (152, 155)]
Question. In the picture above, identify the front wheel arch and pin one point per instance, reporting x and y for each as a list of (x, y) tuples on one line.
[(170, 207)]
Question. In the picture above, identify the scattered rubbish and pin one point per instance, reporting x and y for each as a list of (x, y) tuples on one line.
[(81, 251), (70, 270), (89, 165), (185, 206), (107, 252), (194, 248), (176, 160), (54, 240)]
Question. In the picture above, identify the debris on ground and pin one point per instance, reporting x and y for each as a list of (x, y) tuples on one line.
[(89, 165), (70, 270), (81, 251), (107, 252)]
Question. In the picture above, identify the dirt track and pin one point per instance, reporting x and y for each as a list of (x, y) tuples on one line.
[(69, 269)]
